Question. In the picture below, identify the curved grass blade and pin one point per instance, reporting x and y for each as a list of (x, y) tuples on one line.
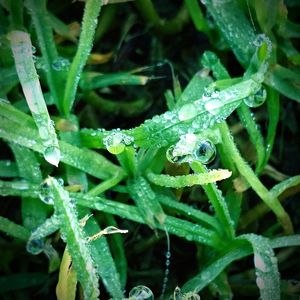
[(188, 180)]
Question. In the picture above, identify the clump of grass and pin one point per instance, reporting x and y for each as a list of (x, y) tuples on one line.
[(133, 171)]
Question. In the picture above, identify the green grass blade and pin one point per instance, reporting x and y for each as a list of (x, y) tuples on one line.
[(22, 50), (89, 24), (34, 212), (265, 262), (91, 81), (41, 21), (218, 202), (104, 262), (188, 180), (8, 169), (13, 229), (145, 199), (75, 239)]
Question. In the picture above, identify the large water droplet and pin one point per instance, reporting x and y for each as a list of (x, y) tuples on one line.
[(214, 106), (116, 142), (45, 195), (257, 99), (52, 155), (171, 157), (187, 112), (259, 263), (141, 292), (260, 283), (205, 152), (35, 246)]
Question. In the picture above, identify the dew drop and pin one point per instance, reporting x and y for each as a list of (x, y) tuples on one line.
[(52, 155), (256, 99), (214, 106), (141, 292), (168, 115), (60, 64), (116, 142), (260, 283), (259, 263), (205, 152), (175, 159), (60, 181), (35, 246), (187, 112)]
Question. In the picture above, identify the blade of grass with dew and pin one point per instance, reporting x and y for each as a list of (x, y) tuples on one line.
[(89, 24), (188, 180), (144, 197), (176, 226), (189, 212), (105, 265), (17, 127), (236, 251), (8, 169), (197, 116), (217, 200), (234, 26), (34, 212), (255, 183), (265, 262), (103, 260), (35, 244), (41, 21), (75, 239), (211, 61), (22, 51)]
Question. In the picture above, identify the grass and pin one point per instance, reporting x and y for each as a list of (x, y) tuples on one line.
[(146, 149)]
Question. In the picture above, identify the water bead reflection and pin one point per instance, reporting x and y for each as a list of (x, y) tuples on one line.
[(116, 142), (206, 152), (202, 150), (257, 99), (141, 292), (35, 246)]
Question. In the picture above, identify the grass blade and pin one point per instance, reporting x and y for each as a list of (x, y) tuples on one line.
[(22, 50)]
